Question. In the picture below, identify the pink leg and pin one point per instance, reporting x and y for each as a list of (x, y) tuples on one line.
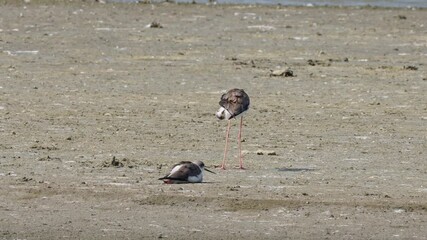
[(240, 143), (226, 145)]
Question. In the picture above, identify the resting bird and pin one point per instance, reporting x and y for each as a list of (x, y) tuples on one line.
[(186, 172), (233, 104)]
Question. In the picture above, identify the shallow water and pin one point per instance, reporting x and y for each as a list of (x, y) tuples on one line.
[(378, 3)]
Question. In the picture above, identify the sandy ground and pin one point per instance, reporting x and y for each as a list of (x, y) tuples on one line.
[(83, 83)]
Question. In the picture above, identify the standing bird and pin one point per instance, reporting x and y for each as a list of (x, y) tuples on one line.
[(233, 103), (186, 172)]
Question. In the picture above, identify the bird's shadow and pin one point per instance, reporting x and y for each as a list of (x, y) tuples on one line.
[(286, 169)]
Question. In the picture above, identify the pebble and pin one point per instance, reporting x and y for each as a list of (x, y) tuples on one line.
[(282, 73), (266, 152)]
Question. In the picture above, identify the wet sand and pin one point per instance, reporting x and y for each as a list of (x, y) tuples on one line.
[(335, 150)]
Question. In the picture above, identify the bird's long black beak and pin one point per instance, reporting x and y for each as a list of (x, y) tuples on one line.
[(209, 171)]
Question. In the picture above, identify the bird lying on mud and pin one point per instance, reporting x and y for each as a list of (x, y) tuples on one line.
[(186, 172)]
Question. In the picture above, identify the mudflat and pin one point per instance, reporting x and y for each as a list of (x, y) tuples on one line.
[(97, 101)]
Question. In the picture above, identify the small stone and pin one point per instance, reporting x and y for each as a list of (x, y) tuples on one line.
[(155, 24), (116, 163), (282, 73), (266, 152), (413, 68)]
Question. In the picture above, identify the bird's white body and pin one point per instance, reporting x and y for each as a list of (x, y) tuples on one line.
[(223, 113), (190, 178)]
